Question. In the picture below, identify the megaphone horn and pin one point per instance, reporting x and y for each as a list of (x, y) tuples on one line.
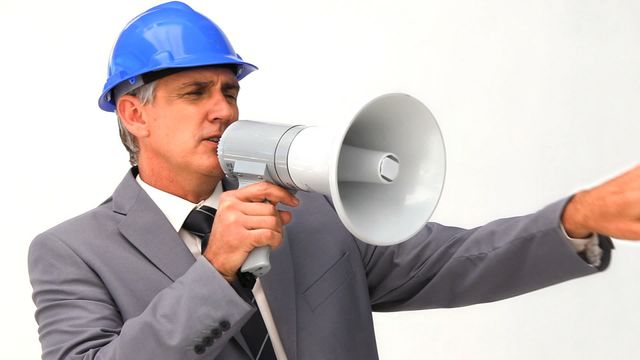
[(384, 172)]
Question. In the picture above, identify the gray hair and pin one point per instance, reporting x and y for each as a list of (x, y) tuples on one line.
[(145, 94)]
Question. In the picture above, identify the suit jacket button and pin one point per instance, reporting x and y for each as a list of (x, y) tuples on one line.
[(199, 348), (224, 325), (216, 332), (207, 341)]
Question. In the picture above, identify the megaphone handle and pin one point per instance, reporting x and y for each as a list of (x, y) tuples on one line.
[(257, 262)]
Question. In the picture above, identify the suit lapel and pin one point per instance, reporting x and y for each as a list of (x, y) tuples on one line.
[(148, 229), (279, 288)]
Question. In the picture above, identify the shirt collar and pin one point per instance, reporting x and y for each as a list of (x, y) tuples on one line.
[(175, 208)]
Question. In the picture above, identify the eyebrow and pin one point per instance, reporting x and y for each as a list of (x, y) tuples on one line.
[(196, 83), (227, 85)]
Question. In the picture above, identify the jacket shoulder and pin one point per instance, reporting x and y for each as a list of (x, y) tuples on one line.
[(84, 227)]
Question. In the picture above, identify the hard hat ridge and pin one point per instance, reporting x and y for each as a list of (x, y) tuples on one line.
[(170, 35)]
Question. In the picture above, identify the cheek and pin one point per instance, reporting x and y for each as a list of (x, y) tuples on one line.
[(175, 129), (166, 141), (236, 116), (168, 133)]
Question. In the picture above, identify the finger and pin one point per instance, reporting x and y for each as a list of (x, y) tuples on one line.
[(285, 217), (265, 237), (629, 177), (628, 230), (268, 222), (265, 191), (263, 222), (257, 209)]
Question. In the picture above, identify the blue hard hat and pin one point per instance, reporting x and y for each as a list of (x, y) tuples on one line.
[(167, 36)]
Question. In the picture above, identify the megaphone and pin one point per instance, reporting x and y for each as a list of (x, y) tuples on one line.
[(384, 172)]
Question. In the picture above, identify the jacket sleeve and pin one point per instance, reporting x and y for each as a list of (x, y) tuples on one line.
[(444, 267), (78, 318)]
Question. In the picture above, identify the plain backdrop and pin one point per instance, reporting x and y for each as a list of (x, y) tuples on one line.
[(536, 99)]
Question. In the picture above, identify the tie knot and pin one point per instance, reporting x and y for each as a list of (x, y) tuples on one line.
[(200, 220)]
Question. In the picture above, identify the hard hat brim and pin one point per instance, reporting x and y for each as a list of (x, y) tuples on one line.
[(108, 103)]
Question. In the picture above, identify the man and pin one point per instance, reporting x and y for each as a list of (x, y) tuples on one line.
[(134, 278)]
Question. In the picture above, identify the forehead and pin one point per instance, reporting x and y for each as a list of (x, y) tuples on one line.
[(213, 74)]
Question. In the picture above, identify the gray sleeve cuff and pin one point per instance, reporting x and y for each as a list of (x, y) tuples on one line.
[(589, 248)]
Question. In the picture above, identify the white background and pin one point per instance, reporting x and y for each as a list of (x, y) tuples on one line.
[(536, 100)]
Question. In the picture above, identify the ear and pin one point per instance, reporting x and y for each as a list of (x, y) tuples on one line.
[(130, 110)]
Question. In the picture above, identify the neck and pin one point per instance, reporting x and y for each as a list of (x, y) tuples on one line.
[(189, 186)]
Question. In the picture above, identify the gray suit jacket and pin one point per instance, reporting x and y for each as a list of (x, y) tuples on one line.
[(118, 283)]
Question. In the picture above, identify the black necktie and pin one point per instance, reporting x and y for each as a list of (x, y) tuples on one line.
[(199, 222), (255, 332)]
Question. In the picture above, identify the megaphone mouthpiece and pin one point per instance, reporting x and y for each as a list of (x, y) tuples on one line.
[(364, 165), (389, 168)]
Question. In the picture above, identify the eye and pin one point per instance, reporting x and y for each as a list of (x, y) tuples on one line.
[(195, 93)]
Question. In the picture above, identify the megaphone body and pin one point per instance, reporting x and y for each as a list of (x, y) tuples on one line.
[(384, 172)]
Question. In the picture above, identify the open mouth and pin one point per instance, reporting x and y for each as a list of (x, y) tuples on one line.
[(214, 139)]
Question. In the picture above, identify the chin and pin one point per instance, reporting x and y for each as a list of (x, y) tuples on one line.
[(213, 171)]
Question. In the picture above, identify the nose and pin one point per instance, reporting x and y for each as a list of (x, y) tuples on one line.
[(222, 109)]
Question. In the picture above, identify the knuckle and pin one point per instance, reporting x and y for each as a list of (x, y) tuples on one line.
[(272, 209), (226, 202), (273, 223), (268, 237), (257, 238), (225, 196), (232, 217), (277, 240), (285, 218), (222, 206), (224, 209), (263, 186)]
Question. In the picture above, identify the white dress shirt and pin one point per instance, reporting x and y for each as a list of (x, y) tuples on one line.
[(176, 209)]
